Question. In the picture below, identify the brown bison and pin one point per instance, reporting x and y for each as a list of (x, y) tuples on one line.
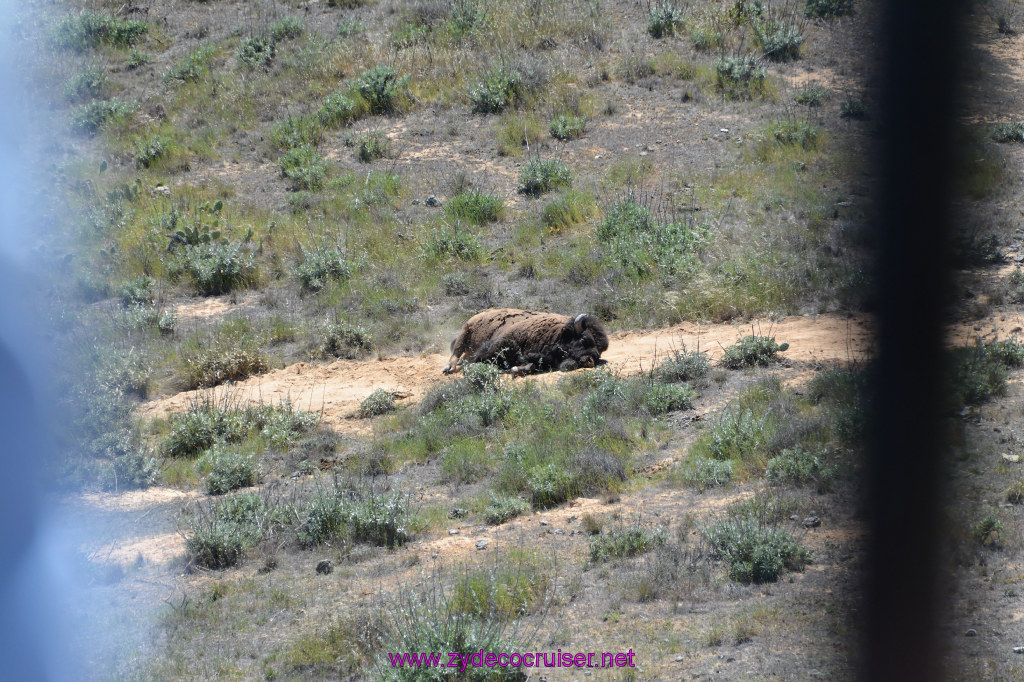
[(525, 341)]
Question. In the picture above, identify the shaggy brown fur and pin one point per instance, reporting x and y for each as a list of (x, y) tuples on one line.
[(525, 341)]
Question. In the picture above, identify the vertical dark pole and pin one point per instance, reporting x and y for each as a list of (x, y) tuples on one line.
[(916, 161)]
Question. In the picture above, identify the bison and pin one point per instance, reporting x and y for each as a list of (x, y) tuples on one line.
[(525, 341)]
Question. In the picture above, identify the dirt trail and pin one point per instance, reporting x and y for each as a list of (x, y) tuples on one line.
[(337, 388)]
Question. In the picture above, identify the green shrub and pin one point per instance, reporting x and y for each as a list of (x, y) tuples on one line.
[(978, 373), (988, 531), (625, 542), (383, 90), (204, 424), (752, 351), (541, 176), (475, 207), (229, 470), (137, 60), (297, 131), (705, 38), (550, 485), (215, 268), (151, 149), (1000, 132), (853, 107), (350, 28), (408, 35), (827, 9), (231, 353), (704, 473), (568, 127), (138, 291), (641, 246), (88, 84), (738, 434), (663, 20), (134, 470), (812, 95), (1015, 493), (322, 265), (515, 586), (634, 68), (286, 29), (373, 145), (379, 402), (797, 466), (89, 118), (683, 366), (503, 508), (450, 242), (740, 77), (257, 52), (192, 67), (304, 167), (343, 340), (755, 553), (376, 519), (222, 533), (93, 29), (500, 89), (336, 111), (779, 40)]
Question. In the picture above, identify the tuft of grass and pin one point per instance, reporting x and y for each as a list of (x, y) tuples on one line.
[(136, 60), (624, 542), (231, 353), (795, 132), (205, 423), (569, 208), (336, 111), (192, 67), (94, 29), (753, 351), (503, 508), (475, 207), (449, 242), (634, 68), (379, 402), (813, 95), (568, 127), (541, 176), (517, 131), (384, 91), (683, 365), (297, 131), (213, 267), (138, 291), (988, 531), (1015, 493), (853, 107), (828, 9), (664, 20), (515, 586), (90, 118), (370, 517), (706, 38), (223, 532), (979, 372), (287, 28), (1006, 132), (373, 145)]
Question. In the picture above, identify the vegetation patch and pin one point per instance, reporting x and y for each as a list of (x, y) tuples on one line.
[(755, 552), (94, 29), (741, 77), (340, 515), (305, 167), (228, 470), (664, 20), (476, 207), (753, 351), (540, 176), (384, 91), (503, 508), (568, 127), (624, 542)]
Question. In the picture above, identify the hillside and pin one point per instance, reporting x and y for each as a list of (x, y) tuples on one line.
[(270, 219)]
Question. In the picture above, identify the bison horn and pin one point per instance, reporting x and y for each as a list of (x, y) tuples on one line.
[(577, 322)]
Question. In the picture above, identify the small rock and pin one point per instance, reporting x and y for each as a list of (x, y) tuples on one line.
[(324, 567), (1018, 649), (971, 633), (794, 517), (679, 659), (433, 202), (1012, 459), (162, 189), (597, 158), (415, 202), (543, 522), (723, 130), (458, 513), (481, 544), (559, 531), (811, 522), (453, 531)]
